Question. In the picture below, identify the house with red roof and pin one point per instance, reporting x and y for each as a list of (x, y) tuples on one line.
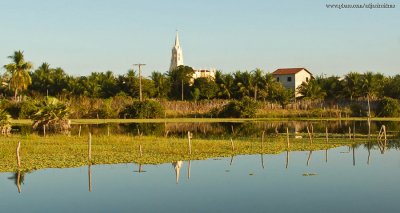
[(292, 77)]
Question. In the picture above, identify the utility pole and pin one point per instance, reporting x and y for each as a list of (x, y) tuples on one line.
[(140, 80)]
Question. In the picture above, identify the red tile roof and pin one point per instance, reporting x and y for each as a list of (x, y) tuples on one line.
[(289, 71)]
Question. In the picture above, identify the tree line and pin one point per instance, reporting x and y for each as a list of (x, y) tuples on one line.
[(21, 79)]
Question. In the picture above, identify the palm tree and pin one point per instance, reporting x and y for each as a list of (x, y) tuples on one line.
[(352, 84), (19, 70), (257, 81), (311, 90)]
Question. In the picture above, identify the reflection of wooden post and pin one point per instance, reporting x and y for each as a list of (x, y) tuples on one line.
[(312, 130), (233, 132), (326, 155), (230, 164), (19, 181), (90, 148), (90, 177), (262, 160), (354, 157), (80, 129), (354, 131), (287, 158), (309, 134), (287, 138), (233, 145), (384, 134), (189, 169), (18, 158), (369, 152), (309, 157)]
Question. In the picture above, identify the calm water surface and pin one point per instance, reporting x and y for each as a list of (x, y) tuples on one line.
[(343, 183)]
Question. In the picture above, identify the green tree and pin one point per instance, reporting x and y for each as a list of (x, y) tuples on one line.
[(257, 81), (352, 85), (311, 90), (225, 84), (207, 88), (19, 70), (180, 82), (161, 84)]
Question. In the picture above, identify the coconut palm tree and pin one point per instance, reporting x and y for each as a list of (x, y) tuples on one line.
[(53, 115), (352, 85), (311, 90), (257, 81), (19, 70)]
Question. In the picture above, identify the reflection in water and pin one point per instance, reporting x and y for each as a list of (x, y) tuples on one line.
[(309, 157), (90, 177), (287, 158), (19, 178), (230, 164), (188, 170), (177, 167), (262, 161)]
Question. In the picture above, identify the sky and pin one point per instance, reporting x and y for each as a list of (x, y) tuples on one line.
[(83, 36)]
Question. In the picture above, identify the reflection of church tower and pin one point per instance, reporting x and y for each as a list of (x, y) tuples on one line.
[(177, 57), (177, 166)]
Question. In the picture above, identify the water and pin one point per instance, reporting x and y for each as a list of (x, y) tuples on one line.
[(345, 183)]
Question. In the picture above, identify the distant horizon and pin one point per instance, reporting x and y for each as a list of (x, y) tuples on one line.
[(83, 38)]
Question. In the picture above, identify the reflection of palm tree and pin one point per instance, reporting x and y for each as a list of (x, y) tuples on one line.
[(177, 166)]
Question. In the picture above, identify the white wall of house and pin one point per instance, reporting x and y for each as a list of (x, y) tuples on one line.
[(292, 81)]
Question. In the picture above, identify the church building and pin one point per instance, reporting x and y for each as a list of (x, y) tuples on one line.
[(177, 60)]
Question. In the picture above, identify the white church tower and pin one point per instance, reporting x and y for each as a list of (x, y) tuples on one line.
[(177, 57)]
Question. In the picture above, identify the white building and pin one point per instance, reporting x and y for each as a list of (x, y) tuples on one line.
[(292, 77), (177, 56), (177, 60)]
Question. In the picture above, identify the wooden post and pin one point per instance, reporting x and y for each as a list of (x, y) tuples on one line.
[(108, 130), (18, 158), (309, 134), (349, 132), (233, 145), (140, 150), (80, 129), (90, 148), (327, 134), (44, 130), (287, 138), (189, 143), (262, 139), (369, 129), (384, 134)]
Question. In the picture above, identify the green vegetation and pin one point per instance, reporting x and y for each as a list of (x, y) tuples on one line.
[(5, 122), (105, 95), (53, 115), (143, 109), (388, 107), (246, 108), (60, 151)]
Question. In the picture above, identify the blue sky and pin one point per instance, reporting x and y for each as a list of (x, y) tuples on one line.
[(82, 36)]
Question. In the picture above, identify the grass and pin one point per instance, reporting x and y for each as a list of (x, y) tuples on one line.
[(60, 151)]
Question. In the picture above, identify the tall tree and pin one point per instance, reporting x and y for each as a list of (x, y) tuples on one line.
[(161, 84), (311, 90), (19, 70), (258, 81), (180, 81)]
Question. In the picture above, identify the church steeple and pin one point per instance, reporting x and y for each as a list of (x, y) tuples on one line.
[(176, 57)]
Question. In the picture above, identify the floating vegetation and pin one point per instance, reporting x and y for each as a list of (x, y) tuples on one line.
[(310, 174), (62, 151)]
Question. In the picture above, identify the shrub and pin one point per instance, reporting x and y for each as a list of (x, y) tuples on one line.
[(144, 109), (21, 110), (357, 110), (53, 114), (246, 108), (5, 122), (388, 107)]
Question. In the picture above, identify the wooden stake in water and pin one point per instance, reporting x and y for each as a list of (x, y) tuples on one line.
[(140, 150), (233, 145), (44, 130), (262, 139), (349, 132), (108, 130), (190, 142), (90, 147), (18, 158), (326, 134), (287, 138), (80, 129), (309, 135)]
